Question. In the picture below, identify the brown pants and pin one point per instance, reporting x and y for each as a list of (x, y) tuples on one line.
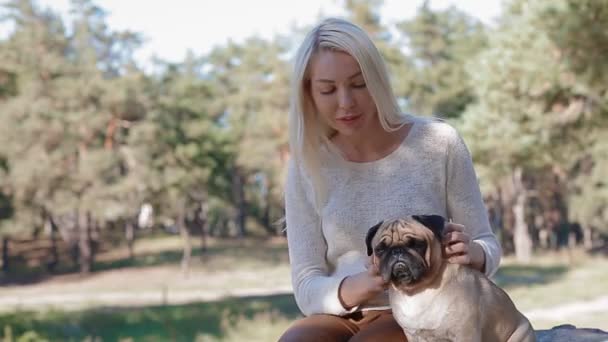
[(358, 326)]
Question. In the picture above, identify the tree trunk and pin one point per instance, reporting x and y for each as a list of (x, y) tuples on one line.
[(130, 237), (54, 260), (204, 219), (5, 245), (266, 215), (186, 243), (84, 242), (506, 198), (238, 192), (273, 228), (587, 237), (521, 236), (110, 129)]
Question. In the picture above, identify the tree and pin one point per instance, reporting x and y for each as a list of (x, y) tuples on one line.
[(181, 148), (539, 91), (438, 44), (62, 158), (253, 86)]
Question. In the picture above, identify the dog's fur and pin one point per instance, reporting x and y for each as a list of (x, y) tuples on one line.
[(433, 300)]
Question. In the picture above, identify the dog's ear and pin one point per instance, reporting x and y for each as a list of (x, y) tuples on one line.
[(435, 223), (370, 236)]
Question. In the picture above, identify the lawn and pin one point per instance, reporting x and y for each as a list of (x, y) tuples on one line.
[(550, 281), (243, 319)]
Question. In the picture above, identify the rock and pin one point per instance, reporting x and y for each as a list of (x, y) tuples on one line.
[(570, 333)]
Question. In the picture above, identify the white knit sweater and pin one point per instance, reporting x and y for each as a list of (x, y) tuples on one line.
[(431, 172)]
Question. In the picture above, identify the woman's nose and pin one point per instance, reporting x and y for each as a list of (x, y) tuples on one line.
[(345, 99)]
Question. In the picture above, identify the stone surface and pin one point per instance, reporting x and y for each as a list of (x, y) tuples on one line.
[(570, 333)]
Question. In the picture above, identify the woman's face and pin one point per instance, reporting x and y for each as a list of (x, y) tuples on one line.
[(340, 94)]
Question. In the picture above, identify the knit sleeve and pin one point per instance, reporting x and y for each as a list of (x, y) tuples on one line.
[(464, 201), (314, 289)]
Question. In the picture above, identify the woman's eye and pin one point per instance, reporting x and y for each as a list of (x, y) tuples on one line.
[(359, 85), (326, 91)]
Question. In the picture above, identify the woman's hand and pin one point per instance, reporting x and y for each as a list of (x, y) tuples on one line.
[(458, 248), (361, 287)]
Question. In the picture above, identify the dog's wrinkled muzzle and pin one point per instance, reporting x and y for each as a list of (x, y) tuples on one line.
[(406, 268), (401, 272)]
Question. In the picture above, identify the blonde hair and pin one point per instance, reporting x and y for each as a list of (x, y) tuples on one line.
[(307, 131)]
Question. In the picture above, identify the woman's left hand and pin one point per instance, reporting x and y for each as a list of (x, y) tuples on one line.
[(458, 248)]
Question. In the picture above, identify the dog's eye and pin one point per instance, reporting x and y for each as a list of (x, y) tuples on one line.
[(418, 245), (380, 249)]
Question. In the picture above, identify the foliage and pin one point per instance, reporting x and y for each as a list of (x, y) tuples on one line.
[(437, 45), (541, 88), (88, 137)]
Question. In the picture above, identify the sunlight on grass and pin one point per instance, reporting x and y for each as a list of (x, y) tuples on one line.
[(262, 317), (554, 280), (267, 326), (551, 280)]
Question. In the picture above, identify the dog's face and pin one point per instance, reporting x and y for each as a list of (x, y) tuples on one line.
[(408, 250)]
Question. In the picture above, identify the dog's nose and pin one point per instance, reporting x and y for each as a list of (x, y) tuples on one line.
[(401, 272)]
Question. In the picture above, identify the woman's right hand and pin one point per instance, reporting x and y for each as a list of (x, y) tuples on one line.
[(361, 287)]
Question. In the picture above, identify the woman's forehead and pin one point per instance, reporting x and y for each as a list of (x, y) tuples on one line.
[(333, 66)]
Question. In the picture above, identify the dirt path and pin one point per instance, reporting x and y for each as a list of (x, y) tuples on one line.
[(73, 301), (166, 296), (569, 310), (146, 286), (165, 285)]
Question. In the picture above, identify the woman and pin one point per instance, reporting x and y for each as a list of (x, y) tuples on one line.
[(357, 160)]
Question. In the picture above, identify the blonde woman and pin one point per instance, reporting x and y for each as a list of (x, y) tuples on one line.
[(357, 160)]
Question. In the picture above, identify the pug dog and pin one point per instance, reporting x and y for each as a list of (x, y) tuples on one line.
[(433, 300)]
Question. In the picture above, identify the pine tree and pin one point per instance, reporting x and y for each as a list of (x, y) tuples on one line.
[(541, 103), (438, 44)]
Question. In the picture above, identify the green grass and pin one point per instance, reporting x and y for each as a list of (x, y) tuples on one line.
[(217, 256), (553, 281), (230, 319), (550, 280)]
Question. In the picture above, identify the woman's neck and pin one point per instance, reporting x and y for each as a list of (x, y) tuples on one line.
[(375, 145)]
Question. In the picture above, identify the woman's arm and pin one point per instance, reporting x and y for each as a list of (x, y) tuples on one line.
[(465, 207), (314, 289)]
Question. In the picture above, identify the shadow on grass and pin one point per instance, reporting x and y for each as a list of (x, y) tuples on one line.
[(522, 275), (270, 255), (153, 323), (220, 255), (24, 275)]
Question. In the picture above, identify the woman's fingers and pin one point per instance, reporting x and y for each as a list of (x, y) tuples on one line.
[(450, 226), (462, 259), (455, 233), (456, 248), (456, 244)]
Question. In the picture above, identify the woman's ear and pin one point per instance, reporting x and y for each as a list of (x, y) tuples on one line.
[(370, 236)]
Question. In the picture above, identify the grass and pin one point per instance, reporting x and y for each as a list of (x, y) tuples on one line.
[(550, 280), (554, 279), (218, 255), (229, 319), (156, 268)]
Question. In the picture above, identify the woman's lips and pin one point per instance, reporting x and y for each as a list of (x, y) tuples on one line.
[(348, 118)]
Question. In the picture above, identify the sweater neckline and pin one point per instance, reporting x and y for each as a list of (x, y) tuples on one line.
[(389, 156)]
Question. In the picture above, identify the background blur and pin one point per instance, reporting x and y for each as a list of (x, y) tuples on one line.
[(141, 166)]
